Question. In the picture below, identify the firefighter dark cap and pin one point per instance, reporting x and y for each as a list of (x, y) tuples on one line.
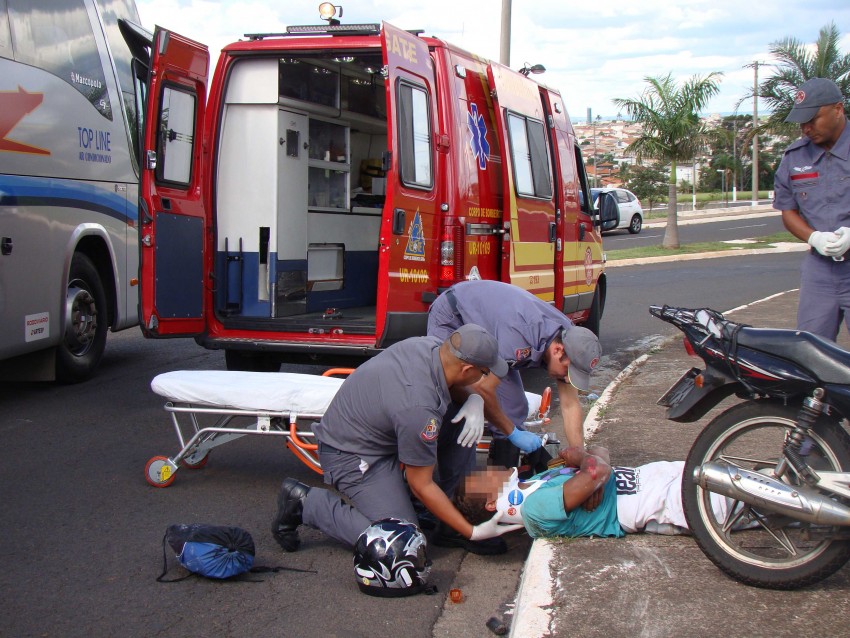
[(812, 95), (472, 344), (583, 349)]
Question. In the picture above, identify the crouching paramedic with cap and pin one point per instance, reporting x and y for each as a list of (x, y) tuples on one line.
[(812, 187), (531, 333), (389, 412)]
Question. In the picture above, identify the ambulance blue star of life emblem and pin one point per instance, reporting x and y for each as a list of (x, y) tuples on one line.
[(478, 141)]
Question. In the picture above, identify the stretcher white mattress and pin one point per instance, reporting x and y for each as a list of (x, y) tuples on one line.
[(305, 394), (261, 391)]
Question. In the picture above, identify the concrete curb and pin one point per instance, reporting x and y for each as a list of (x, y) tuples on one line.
[(534, 600), (534, 597)]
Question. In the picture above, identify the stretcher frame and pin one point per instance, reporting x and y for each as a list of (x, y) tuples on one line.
[(197, 440)]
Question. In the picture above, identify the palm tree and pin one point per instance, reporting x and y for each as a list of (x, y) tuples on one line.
[(798, 62), (671, 129)]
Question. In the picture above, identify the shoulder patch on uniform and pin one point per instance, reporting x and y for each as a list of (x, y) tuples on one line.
[(522, 354), (430, 431)]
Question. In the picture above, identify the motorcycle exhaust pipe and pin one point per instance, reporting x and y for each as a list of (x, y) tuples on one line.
[(798, 501)]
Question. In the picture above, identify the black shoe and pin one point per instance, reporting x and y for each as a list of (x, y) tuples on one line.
[(290, 505), (447, 537)]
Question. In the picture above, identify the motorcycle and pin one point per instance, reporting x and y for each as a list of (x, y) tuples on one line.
[(780, 456)]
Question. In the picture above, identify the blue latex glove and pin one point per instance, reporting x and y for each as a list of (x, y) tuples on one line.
[(524, 440)]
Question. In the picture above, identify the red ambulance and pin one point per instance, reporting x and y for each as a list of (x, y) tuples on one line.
[(334, 179)]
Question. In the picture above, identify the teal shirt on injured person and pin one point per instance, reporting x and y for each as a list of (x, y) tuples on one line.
[(544, 515)]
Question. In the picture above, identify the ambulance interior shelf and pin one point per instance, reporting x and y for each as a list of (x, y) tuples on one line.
[(330, 182)]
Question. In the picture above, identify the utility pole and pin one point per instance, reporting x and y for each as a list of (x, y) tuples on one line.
[(505, 39), (735, 158)]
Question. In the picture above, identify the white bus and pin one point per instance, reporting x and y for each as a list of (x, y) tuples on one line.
[(69, 120)]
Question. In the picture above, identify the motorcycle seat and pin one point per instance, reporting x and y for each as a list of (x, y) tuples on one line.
[(822, 357)]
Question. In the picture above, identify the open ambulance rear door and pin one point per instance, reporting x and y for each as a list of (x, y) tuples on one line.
[(408, 249), (173, 224)]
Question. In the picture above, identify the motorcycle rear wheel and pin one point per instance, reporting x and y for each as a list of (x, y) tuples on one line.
[(772, 550)]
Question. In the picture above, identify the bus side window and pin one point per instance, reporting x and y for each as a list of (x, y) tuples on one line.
[(176, 136), (5, 38), (62, 44)]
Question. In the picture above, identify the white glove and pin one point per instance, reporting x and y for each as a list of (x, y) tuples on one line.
[(820, 242), (492, 528), (842, 242), (473, 411)]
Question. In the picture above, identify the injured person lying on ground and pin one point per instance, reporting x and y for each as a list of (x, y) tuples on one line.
[(646, 498)]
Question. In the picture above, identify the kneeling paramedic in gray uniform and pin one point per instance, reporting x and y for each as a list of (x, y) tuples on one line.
[(387, 412), (531, 333), (812, 187)]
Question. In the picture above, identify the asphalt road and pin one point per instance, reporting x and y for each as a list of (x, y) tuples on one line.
[(82, 530), (722, 284), (719, 230)]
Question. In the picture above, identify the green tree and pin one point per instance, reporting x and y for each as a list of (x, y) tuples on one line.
[(798, 62), (671, 129), (729, 143), (648, 183)]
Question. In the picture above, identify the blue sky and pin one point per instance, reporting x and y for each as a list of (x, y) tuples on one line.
[(593, 52)]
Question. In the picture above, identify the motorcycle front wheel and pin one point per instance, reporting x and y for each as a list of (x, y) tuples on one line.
[(750, 544)]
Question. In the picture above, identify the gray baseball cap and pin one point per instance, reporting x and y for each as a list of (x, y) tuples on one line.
[(812, 95), (583, 349), (477, 347)]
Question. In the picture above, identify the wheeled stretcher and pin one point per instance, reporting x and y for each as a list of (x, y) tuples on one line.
[(209, 408)]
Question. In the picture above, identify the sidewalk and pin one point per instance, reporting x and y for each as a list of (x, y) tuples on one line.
[(647, 585)]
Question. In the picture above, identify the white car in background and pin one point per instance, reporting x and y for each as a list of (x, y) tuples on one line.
[(631, 212)]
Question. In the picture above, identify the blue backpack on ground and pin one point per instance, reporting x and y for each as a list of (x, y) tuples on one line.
[(213, 551)]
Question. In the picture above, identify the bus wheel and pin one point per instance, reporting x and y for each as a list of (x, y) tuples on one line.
[(82, 345)]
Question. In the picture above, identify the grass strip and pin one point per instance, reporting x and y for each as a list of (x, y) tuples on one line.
[(701, 247)]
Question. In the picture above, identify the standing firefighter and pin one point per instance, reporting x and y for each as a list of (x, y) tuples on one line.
[(813, 192)]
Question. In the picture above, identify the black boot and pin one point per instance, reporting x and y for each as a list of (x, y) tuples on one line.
[(290, 505)]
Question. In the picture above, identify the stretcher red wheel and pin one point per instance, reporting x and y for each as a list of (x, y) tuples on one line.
[(160, 471), (195, 464)]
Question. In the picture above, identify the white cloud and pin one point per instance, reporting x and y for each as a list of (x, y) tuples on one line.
[(593, 52)]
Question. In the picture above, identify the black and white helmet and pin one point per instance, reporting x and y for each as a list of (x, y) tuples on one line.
[(390, 559)]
